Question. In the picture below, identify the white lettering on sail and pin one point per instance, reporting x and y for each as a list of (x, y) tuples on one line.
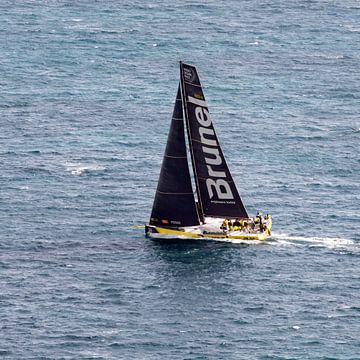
[(222, 188), (216, 159), (204, 140), (214, 173), (211, 152), (196, 101), (202, 116)]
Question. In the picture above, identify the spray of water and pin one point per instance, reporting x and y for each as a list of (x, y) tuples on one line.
[(286, 239)]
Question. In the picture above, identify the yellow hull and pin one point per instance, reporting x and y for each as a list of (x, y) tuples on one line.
[(160, 232)]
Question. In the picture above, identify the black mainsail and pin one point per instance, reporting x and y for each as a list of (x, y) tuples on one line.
[(174, 203), (217, 193)]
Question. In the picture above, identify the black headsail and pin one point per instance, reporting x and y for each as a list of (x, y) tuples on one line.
[(218, 196), (174, 203)]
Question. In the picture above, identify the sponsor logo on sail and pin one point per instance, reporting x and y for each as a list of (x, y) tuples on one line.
[(216, 182), (189, 75)]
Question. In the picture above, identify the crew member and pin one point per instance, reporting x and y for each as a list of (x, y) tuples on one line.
[(246, 227), (267, 224), (236, 225), (259, 220), (224, 225)]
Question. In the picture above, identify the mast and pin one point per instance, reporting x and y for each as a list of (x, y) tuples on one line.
[(216, 190), (185, 111)]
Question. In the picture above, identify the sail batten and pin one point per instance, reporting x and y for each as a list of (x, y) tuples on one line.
[(196, 85), (175, 157), (173, 193)]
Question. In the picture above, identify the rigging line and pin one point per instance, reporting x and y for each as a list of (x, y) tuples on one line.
[(175, 157), (199, 141), (228, 181), (192, 84), (173, 193)]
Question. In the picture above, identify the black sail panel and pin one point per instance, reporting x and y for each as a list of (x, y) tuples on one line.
[(216, 189), (174, 203)]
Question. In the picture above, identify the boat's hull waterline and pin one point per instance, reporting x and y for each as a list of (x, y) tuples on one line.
[(205, 232)]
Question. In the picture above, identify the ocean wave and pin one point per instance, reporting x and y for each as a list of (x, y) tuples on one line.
[(79, 169)]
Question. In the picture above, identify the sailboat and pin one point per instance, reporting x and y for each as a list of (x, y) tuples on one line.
[(215, 210)]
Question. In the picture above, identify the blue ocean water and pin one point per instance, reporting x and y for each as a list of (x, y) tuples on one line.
[(87, 91)]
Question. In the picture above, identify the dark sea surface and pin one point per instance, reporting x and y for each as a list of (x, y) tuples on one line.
[(86, 95)]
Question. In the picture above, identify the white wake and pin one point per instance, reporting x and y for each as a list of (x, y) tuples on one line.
[(330, 242), (79, 169)]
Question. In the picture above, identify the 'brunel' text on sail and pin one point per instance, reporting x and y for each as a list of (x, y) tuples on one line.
[(216, 180)]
